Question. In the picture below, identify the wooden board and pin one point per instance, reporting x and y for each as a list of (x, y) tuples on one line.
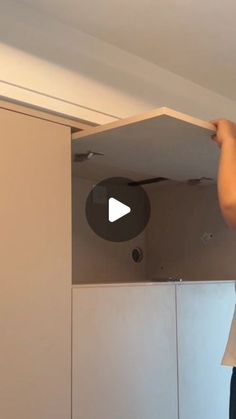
[(162, 142)]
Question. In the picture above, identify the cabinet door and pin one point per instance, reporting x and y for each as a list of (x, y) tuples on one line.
[(35, 268), (149, 145), (204, 318), (124, 352)]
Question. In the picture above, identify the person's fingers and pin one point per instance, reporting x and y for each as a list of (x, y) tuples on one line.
[(215, 122)]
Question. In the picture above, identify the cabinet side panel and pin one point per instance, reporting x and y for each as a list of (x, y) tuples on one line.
[(35, 268), (124, 352)]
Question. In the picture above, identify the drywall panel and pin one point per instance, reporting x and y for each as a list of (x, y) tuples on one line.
[(35, 269), (124, 352), (159, 143), (204, 313), (187, 236), (96, 260)]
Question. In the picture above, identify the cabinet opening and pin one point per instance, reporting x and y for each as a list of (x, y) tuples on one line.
[(186, 238), (175, 162)]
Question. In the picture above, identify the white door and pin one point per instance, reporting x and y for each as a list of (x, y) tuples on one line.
[(124, 352), (204, 313), (35, 268)]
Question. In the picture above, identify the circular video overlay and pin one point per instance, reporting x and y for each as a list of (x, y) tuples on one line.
[(117, 209)]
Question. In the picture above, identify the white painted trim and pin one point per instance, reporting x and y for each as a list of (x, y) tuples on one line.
[(148, 284), (26, 96)]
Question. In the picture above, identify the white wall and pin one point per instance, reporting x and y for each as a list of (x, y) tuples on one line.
[(48, 64)]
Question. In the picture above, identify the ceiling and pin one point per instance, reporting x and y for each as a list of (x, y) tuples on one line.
[(195, 39)]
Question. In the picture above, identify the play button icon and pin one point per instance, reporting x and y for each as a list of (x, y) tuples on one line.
[(117, 209)]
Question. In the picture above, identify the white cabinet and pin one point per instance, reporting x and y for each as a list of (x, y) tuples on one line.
[(125, 338), (151, 351), (124, 352), (204, 313), (159, 144)]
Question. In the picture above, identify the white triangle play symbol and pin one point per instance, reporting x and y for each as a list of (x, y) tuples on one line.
[(116, 210)]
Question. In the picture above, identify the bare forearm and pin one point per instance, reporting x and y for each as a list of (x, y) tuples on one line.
[(227, 172), (227, 180)]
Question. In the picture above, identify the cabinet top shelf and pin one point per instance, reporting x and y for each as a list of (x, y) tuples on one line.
[(159, 143)]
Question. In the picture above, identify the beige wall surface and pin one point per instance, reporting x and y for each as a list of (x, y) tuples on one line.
[(35, 268), (177, 245), (177, 241), (95, 259)]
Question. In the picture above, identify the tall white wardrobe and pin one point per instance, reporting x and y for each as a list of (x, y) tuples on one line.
[(87, 333), (35, 268)]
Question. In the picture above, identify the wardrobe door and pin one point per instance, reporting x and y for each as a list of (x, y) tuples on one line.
[(159, 143), (124, 352), (204, 313), (35, 268)]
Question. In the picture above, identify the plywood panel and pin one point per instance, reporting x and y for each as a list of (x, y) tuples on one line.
[(124, 352), (160, 143), (35, 269)]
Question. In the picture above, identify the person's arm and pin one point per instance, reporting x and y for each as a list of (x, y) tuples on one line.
[(226, 183)]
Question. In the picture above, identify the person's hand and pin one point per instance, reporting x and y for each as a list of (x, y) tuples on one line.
[(225, 131)]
